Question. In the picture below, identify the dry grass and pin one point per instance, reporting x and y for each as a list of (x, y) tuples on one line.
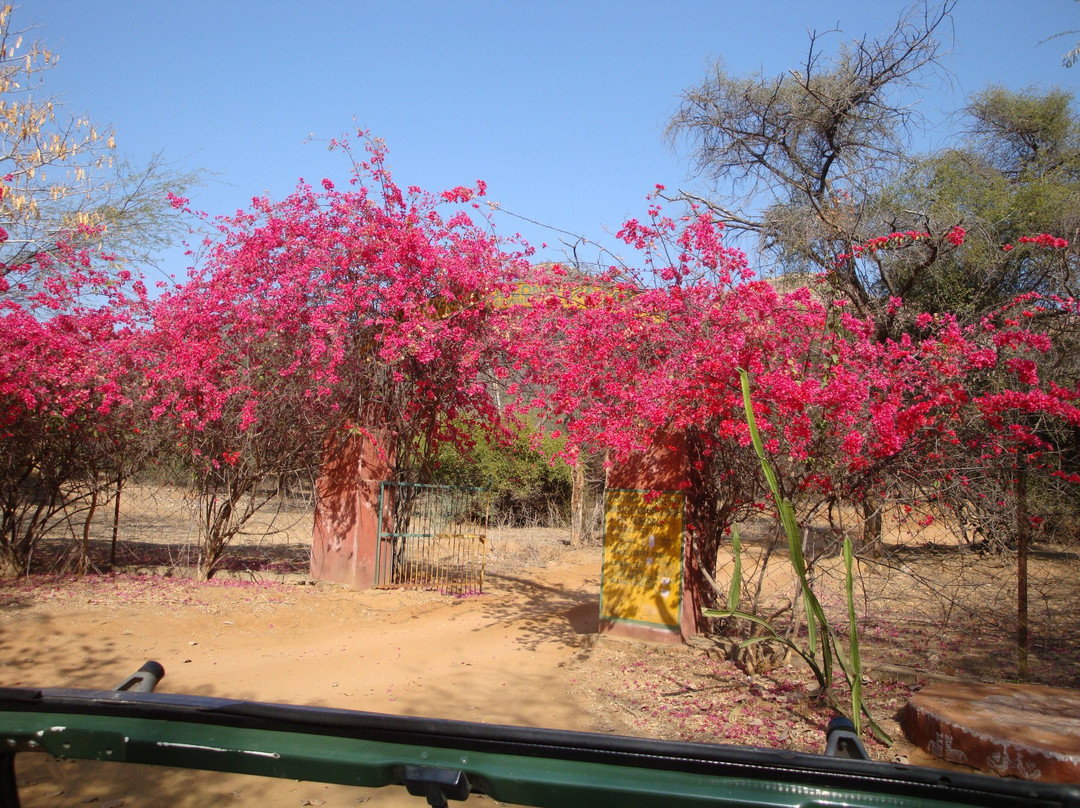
[(157, 533), (927, 602)]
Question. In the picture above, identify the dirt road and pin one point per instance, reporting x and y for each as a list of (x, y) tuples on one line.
[(523, 653), (498, 658)]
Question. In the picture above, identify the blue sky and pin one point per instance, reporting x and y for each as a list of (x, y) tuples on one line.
[(559, 106)]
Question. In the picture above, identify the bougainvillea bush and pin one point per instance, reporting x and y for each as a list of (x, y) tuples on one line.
[(848, 416), (327, 313), (375, 307), (66, 380)]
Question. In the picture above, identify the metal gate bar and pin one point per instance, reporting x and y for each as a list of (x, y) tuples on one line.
[(432, 537)]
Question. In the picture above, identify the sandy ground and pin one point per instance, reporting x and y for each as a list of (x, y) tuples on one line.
[(525, 652), (506, 656)]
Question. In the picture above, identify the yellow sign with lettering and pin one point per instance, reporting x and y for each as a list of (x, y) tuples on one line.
[(569, 294), (643, 543)]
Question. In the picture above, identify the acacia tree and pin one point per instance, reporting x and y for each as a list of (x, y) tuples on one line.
[(326, 312), (817, 160), (1016, 173), (802, 153)]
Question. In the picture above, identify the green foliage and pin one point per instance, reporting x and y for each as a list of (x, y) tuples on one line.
[(735, 589), (854, 656), (819, 630), (529, 484), (1017, 173), (1025, 133)]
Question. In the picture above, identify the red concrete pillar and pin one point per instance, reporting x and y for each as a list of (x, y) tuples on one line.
[(1012, 730), (345, 538)]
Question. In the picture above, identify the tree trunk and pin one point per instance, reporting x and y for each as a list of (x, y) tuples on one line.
[(84, 561), (705, 535), (577, 502), (116, 520), (1021, 575), (871, 530), (701, 558)]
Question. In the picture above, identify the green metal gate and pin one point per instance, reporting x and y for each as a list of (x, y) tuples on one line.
[(432, 537)]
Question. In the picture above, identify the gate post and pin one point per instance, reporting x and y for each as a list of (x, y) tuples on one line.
[(345, 537), (643, 591)]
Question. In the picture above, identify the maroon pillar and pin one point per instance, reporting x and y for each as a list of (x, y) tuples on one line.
[(345, 539)]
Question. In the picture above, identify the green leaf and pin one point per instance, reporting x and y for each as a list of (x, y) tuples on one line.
[(854, 656), (735, 590)]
